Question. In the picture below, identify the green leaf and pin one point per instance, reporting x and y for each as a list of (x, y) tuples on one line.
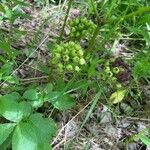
[(30, 94), (6, 47), (49, 88), (90, 7), (145, 140), (63, 102), (8, 12), (10, 110), (25, 108), (21, 15), (6, 69), (35, 98), (118, 96), (46, 127), (45, 146), (14, 111), (52, 96), (13, 96), (36, 104), (11, 79), (34, 134), (5, 131), (24, 137), (6, 143)]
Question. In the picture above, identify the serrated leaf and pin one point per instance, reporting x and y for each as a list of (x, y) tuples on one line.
[(5, 131), (34, 134), (45, 146), (25, 108), (36, 104), (14, 111), (31, 94), (49, 88), (24, 137), (118, 96), (46, 127), (6, 143), (13, 96), (52, 96), (64, 102)]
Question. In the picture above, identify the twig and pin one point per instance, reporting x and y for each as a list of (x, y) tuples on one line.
[(35, 78), (135, 118)]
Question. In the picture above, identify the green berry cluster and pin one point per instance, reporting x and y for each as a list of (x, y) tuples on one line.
[(81, 28), (110, 72), (68, 56)]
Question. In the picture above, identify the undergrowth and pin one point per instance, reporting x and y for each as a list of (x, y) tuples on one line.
[(93, 57)]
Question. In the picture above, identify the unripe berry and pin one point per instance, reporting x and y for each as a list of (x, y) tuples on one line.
[(60, 66), (73, 29), (114, 79), (72, 34), (80, 53), (84, 20), (54, 61), (66, 52), (118, 85), (84, 32), (77, 21), (58, 49), (66, 45), (77, 47), (66, 58), (82, 61), (73, 53), (57, 55), (77, 34), (69, 67), (72, 44), (81, 26), (77, 69), (76, 59), (116, 70), (109, 73), (107, 69)]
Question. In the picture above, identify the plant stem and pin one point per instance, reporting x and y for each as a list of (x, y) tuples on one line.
[(96, 32), (66, 17), (93, 39)]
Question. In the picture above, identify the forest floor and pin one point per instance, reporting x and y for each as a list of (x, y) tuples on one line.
[(104, 130)]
